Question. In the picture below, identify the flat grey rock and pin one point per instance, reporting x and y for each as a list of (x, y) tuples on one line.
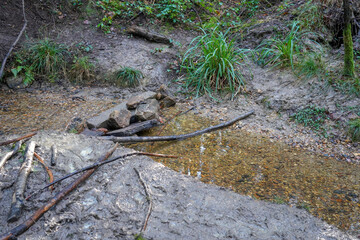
[(100, 121), (134, 101)]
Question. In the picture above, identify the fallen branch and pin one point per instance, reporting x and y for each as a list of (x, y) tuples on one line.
[(10, 154), (18, 139), (177, 137), (51, 176), (18, 197), (17, 231), (53, 155), (152, 37), (98, 164), (14, 44), (148, 197)]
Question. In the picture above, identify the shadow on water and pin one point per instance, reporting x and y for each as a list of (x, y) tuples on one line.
[(254, 165)]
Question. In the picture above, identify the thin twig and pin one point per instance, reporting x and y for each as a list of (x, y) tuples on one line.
[(18, 139), (10, 154), (14, 44), (49, 172), (177, 137), (172, 118), (20, 229), (98, 164), (148, 197)]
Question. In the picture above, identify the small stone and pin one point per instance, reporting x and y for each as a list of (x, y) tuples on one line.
[(134, 101), (148, 110), (167, 102), (119, 119), (162, 92)]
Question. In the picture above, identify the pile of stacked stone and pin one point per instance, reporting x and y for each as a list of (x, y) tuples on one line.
[(138, 113)]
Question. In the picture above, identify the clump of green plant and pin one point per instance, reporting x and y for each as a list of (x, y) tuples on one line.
[(129, 76), (81, 69), (176, 11), (354, 129), (42, 58), (211, 64), (280, 51), (311, 65), (312, 117)]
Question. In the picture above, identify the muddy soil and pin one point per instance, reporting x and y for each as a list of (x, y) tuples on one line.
[(112, 203)]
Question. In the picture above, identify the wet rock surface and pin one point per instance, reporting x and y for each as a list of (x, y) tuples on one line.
[(148, 110), (134, 101), (112, 203)]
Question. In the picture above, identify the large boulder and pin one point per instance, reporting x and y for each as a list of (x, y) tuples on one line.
[(134, 101), (148, 110)]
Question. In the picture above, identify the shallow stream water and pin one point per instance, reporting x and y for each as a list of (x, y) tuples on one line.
[(259, 167), (249, 164)]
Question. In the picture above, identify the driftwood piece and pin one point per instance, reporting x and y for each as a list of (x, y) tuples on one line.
[(18, 139), (53, 155), (18, 197), (150, 36), (16, 41), (148, 197), (49, 172), (134, 128), (177, 137), (98, 164), (20, 229), (10, 154)]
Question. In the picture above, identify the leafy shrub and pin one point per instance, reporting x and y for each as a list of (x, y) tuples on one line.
[(212, 62), (81, 69), (312, 117), (354, 129), (129, 76), (44, 57)]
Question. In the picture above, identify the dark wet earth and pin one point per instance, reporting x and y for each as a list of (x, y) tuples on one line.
[(249, 164)]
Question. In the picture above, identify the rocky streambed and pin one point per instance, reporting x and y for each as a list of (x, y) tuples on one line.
[(112, 203)]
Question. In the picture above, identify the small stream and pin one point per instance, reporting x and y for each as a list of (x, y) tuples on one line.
[(248, 164), (256, 166)]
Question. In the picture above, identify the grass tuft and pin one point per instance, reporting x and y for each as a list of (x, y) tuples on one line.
[(211, 64), (81, 69), (280, 52), (354, 129), (129, 77)]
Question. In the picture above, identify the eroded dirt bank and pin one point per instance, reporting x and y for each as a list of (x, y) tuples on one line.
[(112, 203)]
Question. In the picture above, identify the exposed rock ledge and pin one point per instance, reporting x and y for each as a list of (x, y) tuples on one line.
[(112, 203)]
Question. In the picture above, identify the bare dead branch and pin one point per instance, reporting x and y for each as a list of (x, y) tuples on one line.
[(18, 197), (53, 155), (14, 44), (177, 137), (10, 154), (148, 197), (49, 172), (18, 139), (98, 164)]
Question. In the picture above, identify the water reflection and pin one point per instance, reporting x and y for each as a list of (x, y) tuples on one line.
[(253, 165)]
